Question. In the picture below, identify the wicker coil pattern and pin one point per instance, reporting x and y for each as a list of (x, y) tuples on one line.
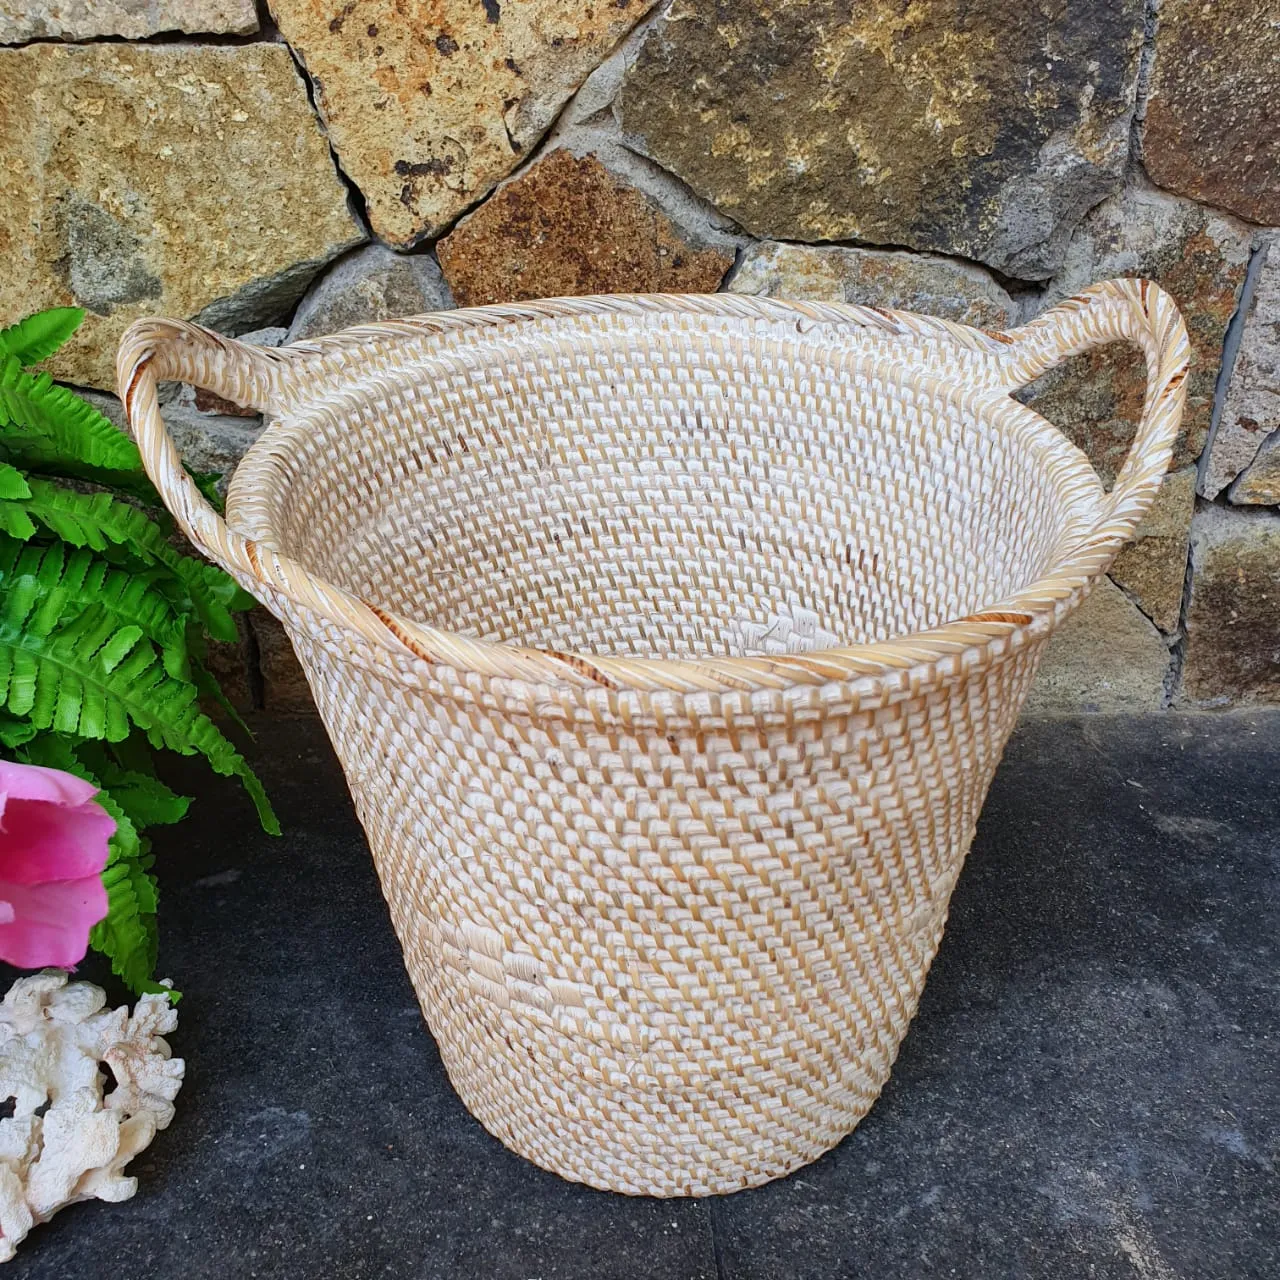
[(669, 645)]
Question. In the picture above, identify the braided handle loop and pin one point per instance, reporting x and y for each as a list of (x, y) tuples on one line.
[(154, 350), (1119, 310)]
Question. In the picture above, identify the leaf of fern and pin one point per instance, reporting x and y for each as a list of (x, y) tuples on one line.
[(41, 334)]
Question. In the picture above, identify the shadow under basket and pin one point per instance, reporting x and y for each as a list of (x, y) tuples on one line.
[(669, 645)]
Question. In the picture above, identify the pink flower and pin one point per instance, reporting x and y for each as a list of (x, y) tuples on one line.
[(53, 846)]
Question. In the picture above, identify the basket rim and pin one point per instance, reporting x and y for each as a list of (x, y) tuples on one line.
[(1000, 624), (987, 365)]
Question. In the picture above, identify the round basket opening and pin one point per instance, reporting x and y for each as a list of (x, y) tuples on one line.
[(661, 493)]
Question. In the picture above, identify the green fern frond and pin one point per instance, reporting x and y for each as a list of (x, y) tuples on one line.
[(15, 522), (132, 596), (40, 335), (206, 682), (203, 736), (128, 936), (15, 733), (145, 800), (13, 484), (133, 754), (97, 521), (94, 678), (13, 519), (207, 482), (102, 641), (35, 410)]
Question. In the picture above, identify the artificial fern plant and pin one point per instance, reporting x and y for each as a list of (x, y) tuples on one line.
[(103, 627)]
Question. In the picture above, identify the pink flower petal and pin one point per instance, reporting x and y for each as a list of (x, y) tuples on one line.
[(41, 841), (50, 922), (33, 782)]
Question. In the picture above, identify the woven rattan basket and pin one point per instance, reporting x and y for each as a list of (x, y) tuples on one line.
[(669, 645)]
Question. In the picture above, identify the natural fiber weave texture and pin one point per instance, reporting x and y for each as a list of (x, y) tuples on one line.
[(669, 645)]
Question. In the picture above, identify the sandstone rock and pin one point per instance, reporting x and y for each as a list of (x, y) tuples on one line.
[(22, 20), (371, 284), (1106, 657), (569, 226), (984, 128), (1201, 258), (284, 686), (173, 179), (1233, 620), (1210, 129), (1153, 568), (1251, 407), (431, 102), (875, 278), (1259, 483)]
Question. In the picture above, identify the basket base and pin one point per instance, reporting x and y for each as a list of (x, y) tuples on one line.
[(598, 1119), (690, 1173)]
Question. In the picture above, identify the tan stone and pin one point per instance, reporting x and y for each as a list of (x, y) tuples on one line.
[(1153, 568), (874, 278), (1259, 483), (22, 20), (170, 179), (985, 128), (430, 103), (569, 226), (1211, 130), (1201, 258), (1106, 657), (1233, 616), (1251, 407)]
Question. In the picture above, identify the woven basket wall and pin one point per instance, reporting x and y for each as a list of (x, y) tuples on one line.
[(669, 646)]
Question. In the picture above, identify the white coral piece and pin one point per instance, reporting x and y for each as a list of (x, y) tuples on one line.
[(67, 1140)]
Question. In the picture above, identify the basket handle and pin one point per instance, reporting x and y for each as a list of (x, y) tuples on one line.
[(152, 351), (258, 377), (265, 378), (1142, 313)]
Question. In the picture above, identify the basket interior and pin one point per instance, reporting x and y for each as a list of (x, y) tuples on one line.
[(655, 493)]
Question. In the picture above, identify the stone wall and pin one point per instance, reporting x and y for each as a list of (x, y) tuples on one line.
[(294, 168)]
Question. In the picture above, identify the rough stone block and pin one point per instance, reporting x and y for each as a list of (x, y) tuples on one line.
[(430, 103), (1153, 568), (371, 284), (569, 226), (1251, 407), (1259, 483), (1106, 657), (983, 128), (163, 179), (1201, 258), (1211, 131), (1233, 615), (22, 20), (284, 686), (874, 278)]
